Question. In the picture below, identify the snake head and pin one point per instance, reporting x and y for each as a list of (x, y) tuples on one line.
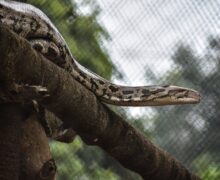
[(172, 95)]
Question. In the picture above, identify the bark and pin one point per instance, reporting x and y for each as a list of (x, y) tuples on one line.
[(81, 110), (36, 159), (24, 149), (10, 118)]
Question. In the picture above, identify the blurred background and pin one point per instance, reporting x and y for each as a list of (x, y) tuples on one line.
[(147, 42)]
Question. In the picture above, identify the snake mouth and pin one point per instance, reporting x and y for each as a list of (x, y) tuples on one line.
[(185, 93), (193, 96)]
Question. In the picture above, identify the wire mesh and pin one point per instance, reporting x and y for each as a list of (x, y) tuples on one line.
[(152, 42)]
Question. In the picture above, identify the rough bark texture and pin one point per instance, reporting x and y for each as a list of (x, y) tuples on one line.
[(35, 152), (24, 148), (81, 110), (11, 118)]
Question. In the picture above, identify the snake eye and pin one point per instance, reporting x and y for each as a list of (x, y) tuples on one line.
[(47, 48)]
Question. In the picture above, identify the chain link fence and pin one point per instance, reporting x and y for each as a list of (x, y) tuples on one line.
[(141, 43)]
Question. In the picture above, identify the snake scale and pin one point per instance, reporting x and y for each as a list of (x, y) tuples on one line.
[(33, 25)]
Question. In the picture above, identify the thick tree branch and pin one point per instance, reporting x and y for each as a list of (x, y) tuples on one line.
[(81, 110)]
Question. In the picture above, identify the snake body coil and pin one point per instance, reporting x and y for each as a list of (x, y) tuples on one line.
[(33, 25)]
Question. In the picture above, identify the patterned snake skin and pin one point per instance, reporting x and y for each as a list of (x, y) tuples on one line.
[(33, 25)]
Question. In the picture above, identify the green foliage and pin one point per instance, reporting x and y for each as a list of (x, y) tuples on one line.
[(210, 173), (212, 170), (71, 166)]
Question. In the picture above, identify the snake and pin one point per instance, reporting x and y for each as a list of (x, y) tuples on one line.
[(33, 25)]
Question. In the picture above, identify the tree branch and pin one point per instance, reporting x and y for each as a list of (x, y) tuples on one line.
[(80, 109)]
